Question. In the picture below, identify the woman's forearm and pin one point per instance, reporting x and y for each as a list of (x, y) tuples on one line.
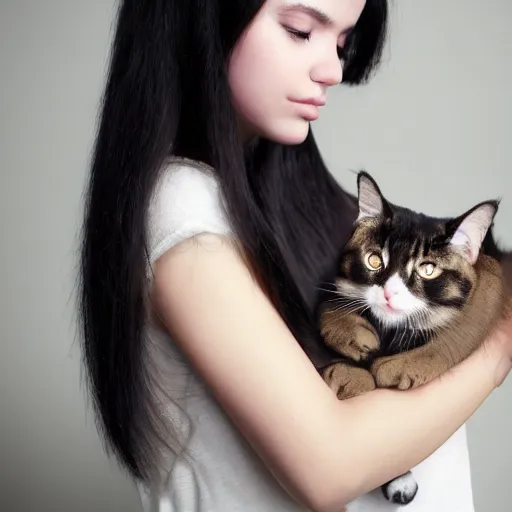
[(384, 433)]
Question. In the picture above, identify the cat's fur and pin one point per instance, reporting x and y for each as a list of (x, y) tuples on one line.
[(400, 323)]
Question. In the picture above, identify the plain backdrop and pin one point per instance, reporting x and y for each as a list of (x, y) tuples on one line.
[(433, 128)]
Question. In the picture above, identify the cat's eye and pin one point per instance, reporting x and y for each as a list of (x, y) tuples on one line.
[(373, 261), (429, 271)]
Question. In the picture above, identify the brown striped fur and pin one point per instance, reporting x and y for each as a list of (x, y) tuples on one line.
[(469, 299), (464, 303)]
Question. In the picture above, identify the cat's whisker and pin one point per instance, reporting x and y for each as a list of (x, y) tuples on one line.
[(412, 336), (417, 326), (331, 284), (410, 333), (413, 319), (421, 327), (407, 333), (340, 306), (422, 316), (336, 299), (332, 290), (420, 320), (350, 300), (347, 300), (353, 309), (407, 338), (343, 301), (397, 338), (346, 313), (368, 306)]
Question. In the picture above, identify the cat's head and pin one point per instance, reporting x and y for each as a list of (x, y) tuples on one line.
[(408, 268)]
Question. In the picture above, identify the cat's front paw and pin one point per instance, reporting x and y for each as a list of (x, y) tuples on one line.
[(362, 344), (348, 381), (350, 335), (404, 371)]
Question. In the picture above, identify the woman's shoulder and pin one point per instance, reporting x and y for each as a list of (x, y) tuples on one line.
[(179, 174), (185, 201)]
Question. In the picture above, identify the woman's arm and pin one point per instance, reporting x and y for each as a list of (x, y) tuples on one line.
[(325, 452)]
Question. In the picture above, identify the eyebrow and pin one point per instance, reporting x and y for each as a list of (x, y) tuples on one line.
[(320, 16)]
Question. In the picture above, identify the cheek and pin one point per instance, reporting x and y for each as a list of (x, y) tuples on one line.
[(449, 290), (358, 271), (260, 78), (249, 80), (408, 297), (374, 295), (348, 262), (406, 301)]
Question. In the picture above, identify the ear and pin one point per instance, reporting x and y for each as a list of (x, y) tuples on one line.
[(471, 228), (371, 200)]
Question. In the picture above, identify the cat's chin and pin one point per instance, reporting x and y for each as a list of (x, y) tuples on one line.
[(390, 310), (388, 315)]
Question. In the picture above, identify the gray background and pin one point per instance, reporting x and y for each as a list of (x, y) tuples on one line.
[(433, 128)]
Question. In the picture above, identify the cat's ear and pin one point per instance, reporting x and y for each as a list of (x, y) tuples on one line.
[(469, 229), (370, 199)]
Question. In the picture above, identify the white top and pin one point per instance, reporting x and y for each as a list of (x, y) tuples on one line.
[(225, 475)]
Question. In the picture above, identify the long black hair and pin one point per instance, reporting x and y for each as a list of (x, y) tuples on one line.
[(167, 94)]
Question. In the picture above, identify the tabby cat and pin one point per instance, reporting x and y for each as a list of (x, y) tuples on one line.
[(414, 296)]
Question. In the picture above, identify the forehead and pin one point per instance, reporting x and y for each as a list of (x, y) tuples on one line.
[(340, 14), (405, 232), (410, 226)]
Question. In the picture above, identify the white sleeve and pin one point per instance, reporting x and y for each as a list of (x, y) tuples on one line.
[(444, 483), (186, 201)]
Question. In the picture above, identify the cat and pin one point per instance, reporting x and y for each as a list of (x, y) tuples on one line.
[(414, 296)]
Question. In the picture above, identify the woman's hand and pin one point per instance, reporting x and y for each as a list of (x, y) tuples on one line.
[(498, 347)]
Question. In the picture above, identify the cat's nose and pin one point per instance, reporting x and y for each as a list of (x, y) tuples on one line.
[(388, 293)]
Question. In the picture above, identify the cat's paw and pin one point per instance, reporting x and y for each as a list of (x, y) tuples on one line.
[(401, 490), (348, 381), (349, 335), (362, 344), (404, 371)]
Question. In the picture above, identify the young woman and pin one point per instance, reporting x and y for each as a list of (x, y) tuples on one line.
[(210, 221)]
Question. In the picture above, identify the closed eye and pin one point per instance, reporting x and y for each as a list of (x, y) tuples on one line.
[(306, 36), (298, 34)]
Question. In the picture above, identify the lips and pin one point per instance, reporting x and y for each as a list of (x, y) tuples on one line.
[(308, 108), (317, 102), (308, 112)]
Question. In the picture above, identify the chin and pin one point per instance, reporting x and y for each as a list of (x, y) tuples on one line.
[(389, 318), (289, 133)]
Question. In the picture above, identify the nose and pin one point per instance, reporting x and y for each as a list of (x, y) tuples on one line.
[(389, 293), (328, 71)]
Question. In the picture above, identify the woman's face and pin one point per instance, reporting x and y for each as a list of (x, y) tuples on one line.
[(285, 61)]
